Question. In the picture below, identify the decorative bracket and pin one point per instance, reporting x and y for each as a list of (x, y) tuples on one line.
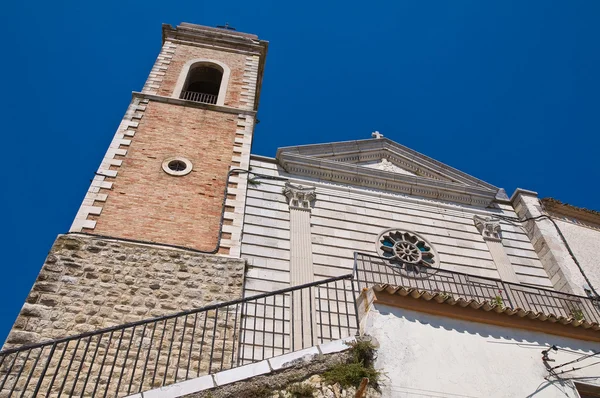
[(489, 228), (298, 196)]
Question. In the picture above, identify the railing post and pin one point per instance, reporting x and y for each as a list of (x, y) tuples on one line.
[(506, 288), (39, 384)]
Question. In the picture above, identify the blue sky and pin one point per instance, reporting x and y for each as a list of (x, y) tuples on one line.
[(504, 90)]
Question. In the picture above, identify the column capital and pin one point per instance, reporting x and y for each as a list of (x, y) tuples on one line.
[(299, 197), (489, 228)]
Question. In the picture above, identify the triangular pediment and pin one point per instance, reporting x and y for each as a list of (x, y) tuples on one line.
[(384, 164)]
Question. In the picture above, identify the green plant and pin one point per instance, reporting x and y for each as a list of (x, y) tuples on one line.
[(359, 365), (445, 295), (497, 301), (577, 314), (362, 351), (300, 390), (351, 374)]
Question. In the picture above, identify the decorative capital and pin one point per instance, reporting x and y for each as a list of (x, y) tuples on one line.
[(299, 197), (489, 228)]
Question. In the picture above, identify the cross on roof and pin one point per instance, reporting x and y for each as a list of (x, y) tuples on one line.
[(226, 26), (376, 134)]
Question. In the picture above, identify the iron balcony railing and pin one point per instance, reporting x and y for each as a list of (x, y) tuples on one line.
[(370, 270), (139, 356), (135, 357), (199, 97)]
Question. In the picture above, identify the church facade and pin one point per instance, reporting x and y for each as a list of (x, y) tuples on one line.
[(190, 257)]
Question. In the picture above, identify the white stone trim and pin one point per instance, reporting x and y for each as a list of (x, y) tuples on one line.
[(193, 104), (127, 128), (157, 73), (240, 373), (248, 95), (185, 71), (338, 162), (380, 251), (186, 171), (491, 231), (301, 260), (241, 154), (547, 243)]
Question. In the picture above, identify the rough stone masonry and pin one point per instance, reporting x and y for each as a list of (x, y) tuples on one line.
[(89, 283)]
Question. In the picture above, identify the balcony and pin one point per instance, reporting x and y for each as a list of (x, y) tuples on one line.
[(476, 291), (199, 97)]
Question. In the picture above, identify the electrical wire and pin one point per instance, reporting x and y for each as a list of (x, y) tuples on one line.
[(564, 240), (576, 360), (574, 369)]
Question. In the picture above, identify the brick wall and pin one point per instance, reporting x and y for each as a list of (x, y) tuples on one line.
[(148, 204), (88, 284), (132, 197), (184, 53)]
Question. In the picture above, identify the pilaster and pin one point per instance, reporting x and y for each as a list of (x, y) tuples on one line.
[(547, 243), (491, 231), (300, 200)]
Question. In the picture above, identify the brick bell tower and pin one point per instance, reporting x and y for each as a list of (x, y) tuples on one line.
[(159, 229)]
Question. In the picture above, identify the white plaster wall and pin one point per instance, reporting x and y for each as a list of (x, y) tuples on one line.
[(346, 220), (584, 242), (431, 356)]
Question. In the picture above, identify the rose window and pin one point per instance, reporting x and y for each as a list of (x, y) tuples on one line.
[(406, 248)]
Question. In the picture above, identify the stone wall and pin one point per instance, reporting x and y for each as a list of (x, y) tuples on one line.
[(89, 283)]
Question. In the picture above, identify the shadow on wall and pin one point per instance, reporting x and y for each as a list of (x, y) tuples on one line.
[(563, 386), (519, 337), (499, 358)]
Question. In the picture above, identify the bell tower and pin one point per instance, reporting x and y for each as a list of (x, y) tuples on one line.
[(164, 175), (159, 229)]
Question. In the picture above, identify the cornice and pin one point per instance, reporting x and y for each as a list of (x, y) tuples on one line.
[(557, 207), (471, 310), (337, 162), (216, 36), (519, 192), (191, 104), (368, 150)]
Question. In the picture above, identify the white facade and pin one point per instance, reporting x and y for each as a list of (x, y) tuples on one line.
[(346, 219), (426, 355), (359, 190), (584, 241)]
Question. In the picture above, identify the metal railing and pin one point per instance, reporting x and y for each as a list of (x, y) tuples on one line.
[(371, 270), (138, 356), (199, 97)]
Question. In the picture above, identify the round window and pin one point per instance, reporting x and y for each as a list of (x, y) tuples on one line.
[(406, 249), (177, 166)]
